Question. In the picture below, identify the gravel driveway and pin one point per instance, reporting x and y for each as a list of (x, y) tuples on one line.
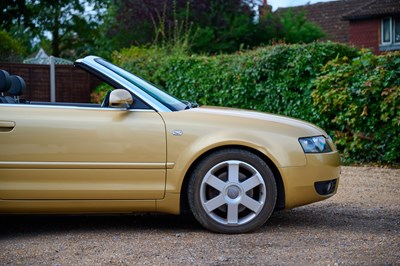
[(360, 225)]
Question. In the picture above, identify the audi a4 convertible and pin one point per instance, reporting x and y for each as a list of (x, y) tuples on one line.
[(143, 150)]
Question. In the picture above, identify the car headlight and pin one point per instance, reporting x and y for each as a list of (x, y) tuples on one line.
[(317, 144)]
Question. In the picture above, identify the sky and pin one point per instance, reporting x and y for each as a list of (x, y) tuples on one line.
[(285, 3)]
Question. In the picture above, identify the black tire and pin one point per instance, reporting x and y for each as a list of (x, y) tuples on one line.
[(242, 196)]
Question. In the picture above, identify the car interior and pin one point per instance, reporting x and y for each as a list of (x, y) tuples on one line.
[(13, 86)]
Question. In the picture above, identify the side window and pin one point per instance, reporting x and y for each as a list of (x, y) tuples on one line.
[(101, 93), (390, 31), (397, 30), (387, 31)]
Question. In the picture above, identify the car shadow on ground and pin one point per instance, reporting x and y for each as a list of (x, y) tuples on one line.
[(335, 217), (304, 217), (12, 225)]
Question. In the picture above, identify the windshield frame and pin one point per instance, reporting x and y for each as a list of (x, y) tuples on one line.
[(171, 102)]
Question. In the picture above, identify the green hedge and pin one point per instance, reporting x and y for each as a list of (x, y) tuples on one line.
[(280, 79), (360, 102)]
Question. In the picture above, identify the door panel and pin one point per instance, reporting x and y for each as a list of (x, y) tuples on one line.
[(81, 153), (80, 184)]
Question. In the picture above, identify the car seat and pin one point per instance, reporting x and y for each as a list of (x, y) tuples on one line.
[(5, 84), (17, 88)]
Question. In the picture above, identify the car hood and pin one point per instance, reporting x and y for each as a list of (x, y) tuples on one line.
[(207, 127), (241, 114)]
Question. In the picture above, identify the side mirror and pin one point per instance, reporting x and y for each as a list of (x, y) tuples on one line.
[(120, 98)]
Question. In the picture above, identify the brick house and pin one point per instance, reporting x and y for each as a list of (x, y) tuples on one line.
[(373, 24), (376, 25)]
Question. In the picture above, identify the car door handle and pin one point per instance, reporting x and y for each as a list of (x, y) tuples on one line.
[(6, 126)]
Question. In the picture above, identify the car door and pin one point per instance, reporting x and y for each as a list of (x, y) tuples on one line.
[(60, 152)]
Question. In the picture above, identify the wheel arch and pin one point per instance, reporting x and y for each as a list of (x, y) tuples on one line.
[(280, 201)]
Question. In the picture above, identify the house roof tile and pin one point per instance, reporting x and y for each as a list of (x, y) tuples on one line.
[(374, 8)]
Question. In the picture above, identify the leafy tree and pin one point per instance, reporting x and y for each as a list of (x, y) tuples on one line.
[(288, 26), (222, 26), (17, 23), (71, 26), (215, 25), (74, 28), (10, 49), (15, 12)]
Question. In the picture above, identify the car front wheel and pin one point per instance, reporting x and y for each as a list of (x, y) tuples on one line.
[(232, 191)]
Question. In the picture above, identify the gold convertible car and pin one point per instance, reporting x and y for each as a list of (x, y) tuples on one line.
[(142, 150)]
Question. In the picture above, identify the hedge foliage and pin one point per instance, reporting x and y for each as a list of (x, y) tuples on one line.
[(300, 81), (359, 100)]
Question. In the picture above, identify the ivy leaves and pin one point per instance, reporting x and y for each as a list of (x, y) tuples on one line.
[(352, 94)]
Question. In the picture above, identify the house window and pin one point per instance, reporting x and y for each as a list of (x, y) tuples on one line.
[(386, 31), (390, 34), (397, 30)]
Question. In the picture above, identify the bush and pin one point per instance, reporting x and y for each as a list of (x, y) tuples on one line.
[(98, 94), (283, 79), (277, 79), (360, 100)]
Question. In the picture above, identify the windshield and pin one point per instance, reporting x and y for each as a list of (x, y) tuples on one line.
[(169, 101)]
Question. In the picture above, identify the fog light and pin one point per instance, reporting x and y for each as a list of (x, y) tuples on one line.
[(325, 187)]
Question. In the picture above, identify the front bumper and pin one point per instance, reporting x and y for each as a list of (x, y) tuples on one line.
[(301, 183)]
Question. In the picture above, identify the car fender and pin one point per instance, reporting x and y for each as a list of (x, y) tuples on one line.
[(184, 151)]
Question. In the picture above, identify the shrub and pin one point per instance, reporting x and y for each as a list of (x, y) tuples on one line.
[(98, 94), (353, 96), (360, 100), (277, 79)]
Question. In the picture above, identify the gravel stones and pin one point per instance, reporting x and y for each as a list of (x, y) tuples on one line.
[(359, 225)]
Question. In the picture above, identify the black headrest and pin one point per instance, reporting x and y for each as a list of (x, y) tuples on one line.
[(5, 81), (17, 85)]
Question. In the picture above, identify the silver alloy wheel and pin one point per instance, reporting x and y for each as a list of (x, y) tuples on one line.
[(232, 193)]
